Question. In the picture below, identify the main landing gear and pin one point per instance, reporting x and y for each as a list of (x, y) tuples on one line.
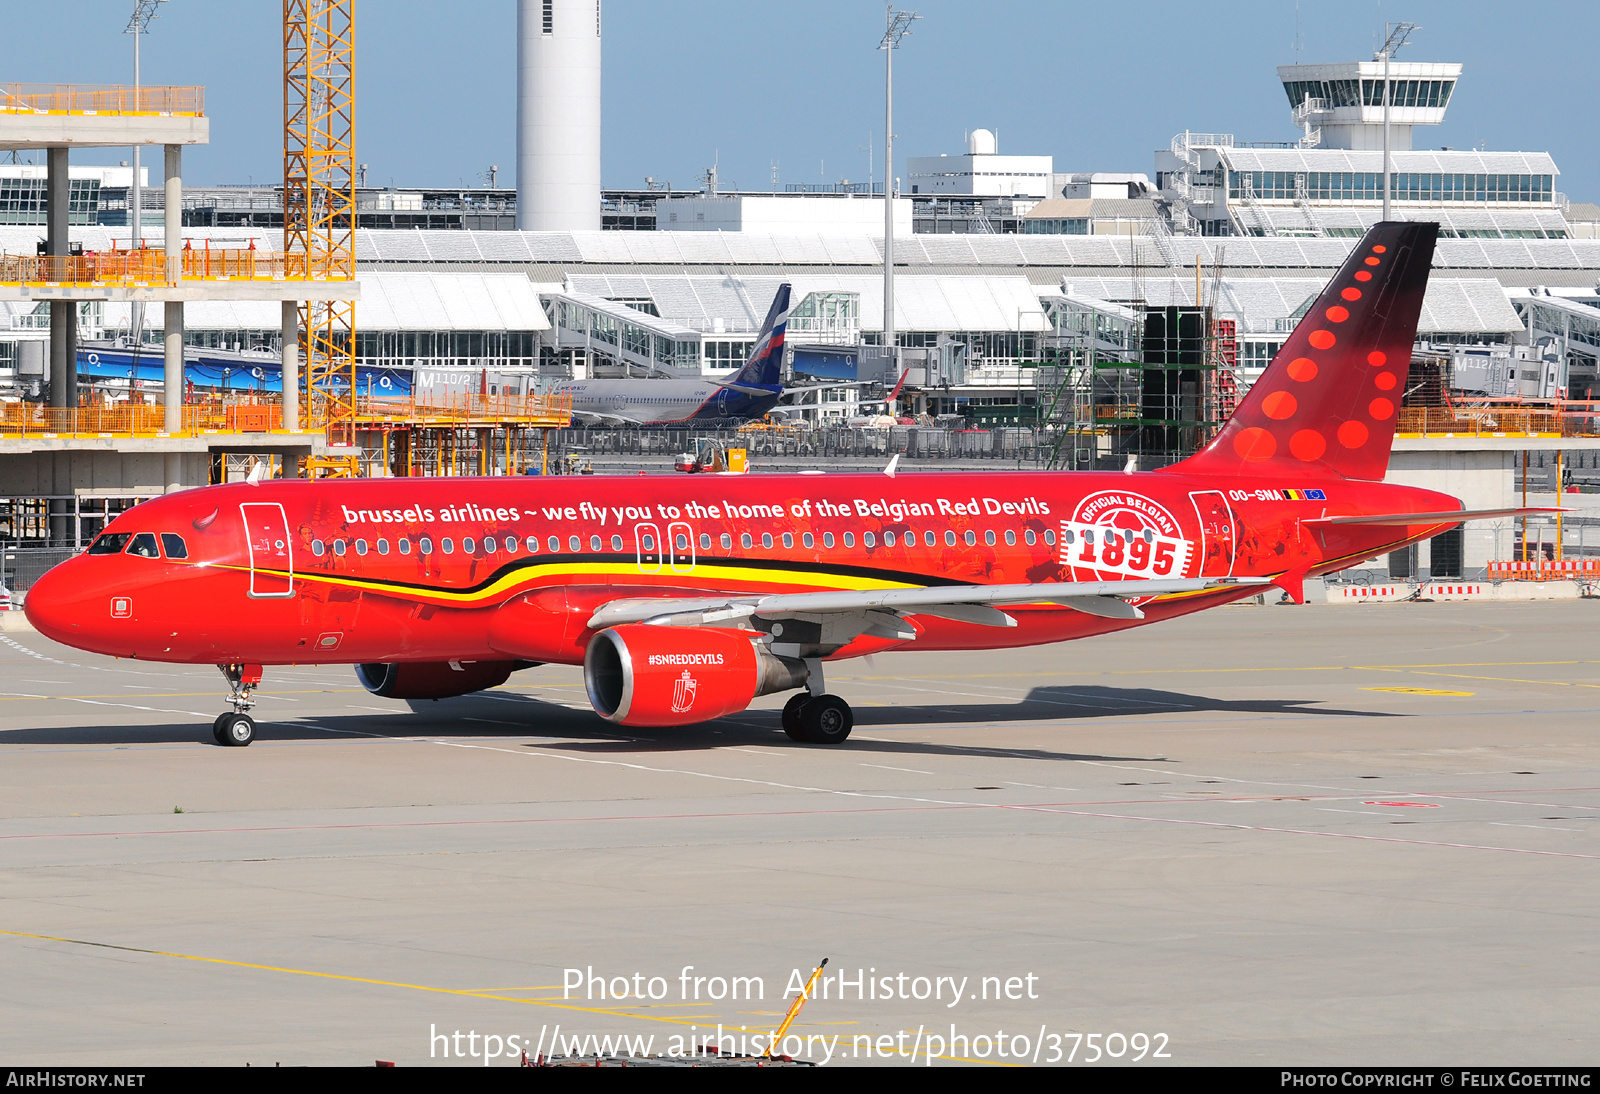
[(815, 718), (237, 728)]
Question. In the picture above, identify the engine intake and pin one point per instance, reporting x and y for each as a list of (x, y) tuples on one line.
[(434, 679), (643, 675)]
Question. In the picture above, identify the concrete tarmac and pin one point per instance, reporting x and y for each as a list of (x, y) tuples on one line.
[(1260, 835)]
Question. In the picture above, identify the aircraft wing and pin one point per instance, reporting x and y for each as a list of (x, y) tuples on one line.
[(876, 609), (743, 389), (623, 418)]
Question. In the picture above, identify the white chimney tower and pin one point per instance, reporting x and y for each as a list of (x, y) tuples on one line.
[(558, 115)]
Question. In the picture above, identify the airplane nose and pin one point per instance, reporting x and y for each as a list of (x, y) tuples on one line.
[(51, 606)]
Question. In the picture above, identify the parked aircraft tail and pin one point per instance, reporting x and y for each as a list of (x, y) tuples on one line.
[(765, 363), (1328, 402)]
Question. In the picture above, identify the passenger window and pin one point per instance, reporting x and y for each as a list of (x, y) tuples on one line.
[(144, 545), (1050, 537), (383, 546), (766, 540), (849, 539), (1011, 538), (317, 548), (173, 545), (1069, 536), (574, 543), (533, 545), (788, 539), (827, 540), (746, 542), (405, 545), (988, 537), (111, 544), (705, 541), (868, 540), (338, 547), (447, 545), (361, 547), (949, 538), (468, 545), (616, 543), (425, 545), (680, 542), (808, 540), (971, 537), (888, 539), (648, 541), (1031, 538), (594, 543), (929, 538), (488, 545), (511, 545), (727, 542), (555, 543)]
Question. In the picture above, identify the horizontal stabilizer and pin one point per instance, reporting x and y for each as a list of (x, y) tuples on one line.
[(1398, 520)]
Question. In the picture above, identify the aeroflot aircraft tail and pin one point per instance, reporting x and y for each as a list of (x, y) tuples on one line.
[(1327, 404), (765, 365)]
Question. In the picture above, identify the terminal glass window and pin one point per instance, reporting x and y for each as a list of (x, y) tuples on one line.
[(1430, 187), (1056, 226), (720, 354), (827, 312)]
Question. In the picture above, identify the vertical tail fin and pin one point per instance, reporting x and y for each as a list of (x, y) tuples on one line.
[(1327, 403), (765, 364)]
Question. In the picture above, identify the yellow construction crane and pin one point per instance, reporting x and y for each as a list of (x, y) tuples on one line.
[(319, 199)]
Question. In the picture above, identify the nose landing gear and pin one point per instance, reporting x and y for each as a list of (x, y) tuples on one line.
[(236, 728)]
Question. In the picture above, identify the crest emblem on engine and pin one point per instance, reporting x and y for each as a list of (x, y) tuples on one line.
[(683, 693)]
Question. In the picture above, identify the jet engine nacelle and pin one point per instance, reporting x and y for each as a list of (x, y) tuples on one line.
[(434, 679), (644, 675)]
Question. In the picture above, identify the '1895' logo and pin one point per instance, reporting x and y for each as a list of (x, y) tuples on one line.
[(1116, 536)]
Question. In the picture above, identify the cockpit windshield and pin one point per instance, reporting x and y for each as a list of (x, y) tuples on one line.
[(144, 545), (112, 543)]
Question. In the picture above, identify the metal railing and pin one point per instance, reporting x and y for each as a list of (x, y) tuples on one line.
[(123, 420), (145, 266), (549, 410), (101, 99), (820, 442), (1496, 421)]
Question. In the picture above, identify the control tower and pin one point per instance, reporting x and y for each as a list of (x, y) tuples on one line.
[(1345, 101), (558, 115)]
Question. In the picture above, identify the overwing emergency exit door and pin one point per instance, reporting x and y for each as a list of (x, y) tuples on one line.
[(648, 548), (271, 558)]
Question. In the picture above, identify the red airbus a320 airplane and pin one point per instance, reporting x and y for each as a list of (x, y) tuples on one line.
[(685, 598)]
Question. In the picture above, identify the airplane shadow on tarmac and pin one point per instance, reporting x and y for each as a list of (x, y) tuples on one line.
[(510, 715)]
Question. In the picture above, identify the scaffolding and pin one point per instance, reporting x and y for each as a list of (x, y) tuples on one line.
[(319, 198)]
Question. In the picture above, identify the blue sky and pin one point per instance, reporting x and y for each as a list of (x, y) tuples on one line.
[(1097, 86)]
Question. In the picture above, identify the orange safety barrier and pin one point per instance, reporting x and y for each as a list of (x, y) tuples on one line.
[(1566, 569), (146, 266), (1486, 421), (124, 420), (484, 410), (259, 415), (101, 99)]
